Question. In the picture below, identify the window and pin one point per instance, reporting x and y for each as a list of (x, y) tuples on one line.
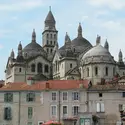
[(51, 42), (7, 113), (39, 68), (70, 65), (100, 94), (46, 69), (47, 35), (51, 50), (96, 70), (65, 96), (47, 50), (30, 97), (20, 69), (54, 110), (8, 97), (75, 96), (51, 35), (55, 36), (100, 107), (87, 72), (54, 96), (29, 123), (75, 110), (106, 71), (33, 68), (65, 110), (123, 94), (30, 112), (47, 42)]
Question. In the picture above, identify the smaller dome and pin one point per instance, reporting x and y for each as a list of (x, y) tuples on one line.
[(97, 54)]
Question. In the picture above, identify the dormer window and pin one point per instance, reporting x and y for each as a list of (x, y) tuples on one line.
[(70, 65)]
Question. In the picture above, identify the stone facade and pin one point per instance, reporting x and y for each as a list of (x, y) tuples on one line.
[(76, 59)]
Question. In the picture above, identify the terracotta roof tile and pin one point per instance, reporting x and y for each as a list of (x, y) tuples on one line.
[(53, 85)]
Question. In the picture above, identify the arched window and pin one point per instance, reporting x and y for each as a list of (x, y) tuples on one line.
[(51, 50), (96, 70), (33, 68), (46, 69), (20, 69), (47, 42), (51, 42), (106, 71), (39, 68), (51, 35), (54, 35), (87, 72), (47, 35)]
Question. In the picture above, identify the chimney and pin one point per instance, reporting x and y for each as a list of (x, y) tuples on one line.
[(47, 85), (30, 80)]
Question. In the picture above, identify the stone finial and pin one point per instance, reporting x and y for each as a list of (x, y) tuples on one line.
[(12, 55), (20, 46), (106, 45), (33, 36), (79, 30), (67, 38), (120, 56), (98, 39)]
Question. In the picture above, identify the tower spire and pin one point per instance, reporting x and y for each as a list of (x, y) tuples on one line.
[(49, 8), (33, 36), (79, 30), (120, 56), (106, 45), (12, 55)]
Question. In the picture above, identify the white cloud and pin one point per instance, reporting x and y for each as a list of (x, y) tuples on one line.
[(112, 4), (4, 32), (22, 5)]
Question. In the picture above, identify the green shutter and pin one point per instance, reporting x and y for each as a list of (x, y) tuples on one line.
[(30, 112)]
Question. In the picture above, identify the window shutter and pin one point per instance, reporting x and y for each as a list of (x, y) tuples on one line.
[(72, 96), (9, 113), (5, 97), (102, 107), (5, 113), (27, 97), (98, 107)]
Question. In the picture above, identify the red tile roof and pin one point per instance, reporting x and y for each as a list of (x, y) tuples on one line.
[(43, 85)]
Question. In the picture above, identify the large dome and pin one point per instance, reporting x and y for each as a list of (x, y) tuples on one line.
[(81, 44), (97, 54), (33, 49)]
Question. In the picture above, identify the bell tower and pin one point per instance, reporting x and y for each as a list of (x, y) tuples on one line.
[(49, 35)]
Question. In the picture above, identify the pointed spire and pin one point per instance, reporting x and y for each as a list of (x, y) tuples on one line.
[(120, 56), (79, 30), (20, 49), (12, 55), (20, 46), (98, 39), (50, 21), (33, 36), (106, 45), (67, 38)]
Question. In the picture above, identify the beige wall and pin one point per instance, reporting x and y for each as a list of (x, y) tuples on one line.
[(111, 100), (41, 110)]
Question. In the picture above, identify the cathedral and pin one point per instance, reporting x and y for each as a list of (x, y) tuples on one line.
[(76, 59)]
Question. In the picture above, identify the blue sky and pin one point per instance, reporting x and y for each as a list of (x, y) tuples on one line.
[(19, 17)]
